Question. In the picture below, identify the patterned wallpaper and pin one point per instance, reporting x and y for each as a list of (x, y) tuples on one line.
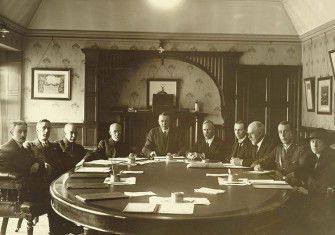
[(316, 63), (66, 53)]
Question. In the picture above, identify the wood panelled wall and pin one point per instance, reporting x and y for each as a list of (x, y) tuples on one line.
[(220, 66)]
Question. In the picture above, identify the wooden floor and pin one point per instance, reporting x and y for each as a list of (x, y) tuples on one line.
[(41, 228)]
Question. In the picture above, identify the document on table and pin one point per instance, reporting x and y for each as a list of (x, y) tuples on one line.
[(205, 165), (146, 162), (100, 196), (272, 186), (260, 172), (193, 200), (93, 169), (139, 194), (140, 207), (223, 181), (86, 185), (97, 163), (268, 181), (176, 208), (229, 165), (209, 190), (131, 172), (216, 175), (123, 181)]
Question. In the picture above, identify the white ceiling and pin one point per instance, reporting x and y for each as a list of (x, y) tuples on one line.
[(271, 17)]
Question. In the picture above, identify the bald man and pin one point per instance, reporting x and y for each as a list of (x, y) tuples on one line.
[(113, 147), (262, 145), (74, 152)]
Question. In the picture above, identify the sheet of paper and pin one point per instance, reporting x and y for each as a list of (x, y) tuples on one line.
[(131, 172), (223, 181), (194, 200), (197, 200), (160, 157), (229, 165), (268, 182), (146, 162), (273, 186), (259, 172), (93, 169), (176, 208), (100, 196), (216, 175), (139, 194), (98, 163), (140, 207), (209, 190), (123, 181)]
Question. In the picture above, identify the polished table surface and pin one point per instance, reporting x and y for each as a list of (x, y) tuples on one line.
[(239, 209)]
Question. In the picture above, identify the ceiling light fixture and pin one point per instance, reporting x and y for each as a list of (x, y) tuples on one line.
[(3, 31), (165, 4)]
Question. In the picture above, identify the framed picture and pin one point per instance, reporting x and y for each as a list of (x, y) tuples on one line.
[(332, 60), (170, 86), (51, 83), (310, 93), (325, 95)]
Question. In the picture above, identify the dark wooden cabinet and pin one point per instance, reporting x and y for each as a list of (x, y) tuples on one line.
[(269, 94), (136, 125)]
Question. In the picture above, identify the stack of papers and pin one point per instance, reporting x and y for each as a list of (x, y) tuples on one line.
[(86, 185), (139, 194), (193, 200), (268, 181), (205, 165), (146, 162), (97, 163), (123, 181), (223, 181), (140, 207), (273, 186), (209, 190), (85, 169), (229, 165)]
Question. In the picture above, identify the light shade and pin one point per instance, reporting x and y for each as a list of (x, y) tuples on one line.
[(165, 4)]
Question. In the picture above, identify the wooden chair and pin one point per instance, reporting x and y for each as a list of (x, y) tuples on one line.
[(13, 206)]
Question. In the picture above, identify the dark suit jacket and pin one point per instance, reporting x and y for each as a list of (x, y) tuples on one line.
[(266, 147), (108, 148), (243, 152), (322, 171), (215, 151), (14, 158), (155, 142), (51, 154), (74, 152)]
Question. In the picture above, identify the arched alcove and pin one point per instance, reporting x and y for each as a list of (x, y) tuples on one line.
[(102, 64)]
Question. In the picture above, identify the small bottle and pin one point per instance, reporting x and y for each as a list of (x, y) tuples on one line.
[(196, 106), (230, 176)]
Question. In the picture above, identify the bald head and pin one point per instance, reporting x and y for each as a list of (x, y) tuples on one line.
[(256, 132), (115, 131), (70, 132)]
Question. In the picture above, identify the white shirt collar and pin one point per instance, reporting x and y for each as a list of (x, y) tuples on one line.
[(287, 146), (209, 141), (259, 143), (165, 131), (241, 140)]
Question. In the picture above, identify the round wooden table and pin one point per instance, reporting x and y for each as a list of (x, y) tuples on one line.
[(239, 209)]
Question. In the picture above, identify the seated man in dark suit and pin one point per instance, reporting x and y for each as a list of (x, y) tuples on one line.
[(241, 153), (14, 157), (287, 157), (113, 147), (74, 152), (262, 145), (163, 139), (209, 147)]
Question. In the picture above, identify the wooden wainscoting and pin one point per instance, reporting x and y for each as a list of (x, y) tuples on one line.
[(87, 133)]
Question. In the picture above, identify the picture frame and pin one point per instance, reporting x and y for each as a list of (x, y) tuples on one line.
[(325, 95), (170, 86), (332, 60), (51, 83), (310, 93)]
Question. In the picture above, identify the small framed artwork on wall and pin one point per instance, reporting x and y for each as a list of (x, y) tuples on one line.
[(50, 83), (324, 95), (332, 60), (310, 93)]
